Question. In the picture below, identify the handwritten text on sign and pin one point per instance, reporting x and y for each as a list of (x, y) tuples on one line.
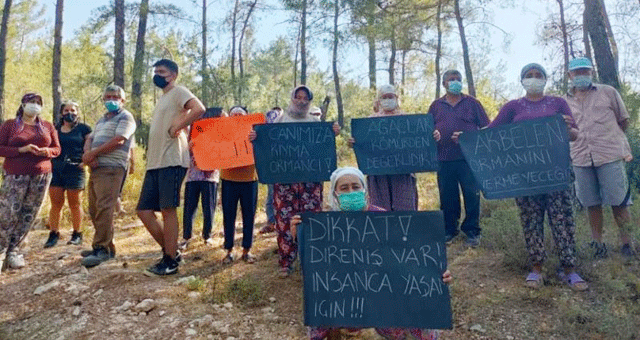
[(374, 269), (222, 143), (520, 159), (295, 152), (395, 145)]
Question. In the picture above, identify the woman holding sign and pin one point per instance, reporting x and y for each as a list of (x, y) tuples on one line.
[(349, 193), (557, 205), (391, 192), (239, 184), (294, 198)]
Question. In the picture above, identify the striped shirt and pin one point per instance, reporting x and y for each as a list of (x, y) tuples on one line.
[(108, 127)]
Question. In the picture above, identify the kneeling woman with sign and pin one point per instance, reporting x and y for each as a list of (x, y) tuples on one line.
[(556, 204), (349, 193)]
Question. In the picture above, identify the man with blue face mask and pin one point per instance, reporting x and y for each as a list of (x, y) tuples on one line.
[(106, 152), (453, 114), (600, 152)]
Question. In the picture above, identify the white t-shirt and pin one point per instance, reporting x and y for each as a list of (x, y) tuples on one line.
[(163, 150)]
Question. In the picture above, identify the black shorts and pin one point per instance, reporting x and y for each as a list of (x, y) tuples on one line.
[(68, 176), (161, 188)]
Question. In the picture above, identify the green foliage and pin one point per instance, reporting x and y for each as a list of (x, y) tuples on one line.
[(196, 284), (247, 290)]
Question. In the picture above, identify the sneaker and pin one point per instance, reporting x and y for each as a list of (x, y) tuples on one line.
[(2, 257), (166, 266), (627, 250), (474, 241), (86, 252), (15, 260), (99, 255), (76, 238), (599, 250), (209, 241), (448, 239), (178, 256), (52, 240)]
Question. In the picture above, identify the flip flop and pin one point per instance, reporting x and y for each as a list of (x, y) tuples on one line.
[(228, 259), (248, 258), (573, 280), (534, 280)]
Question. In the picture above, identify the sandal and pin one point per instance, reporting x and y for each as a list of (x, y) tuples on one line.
[(228, 259), (248, 258), (573, 280), (534, 280), (284, 272)]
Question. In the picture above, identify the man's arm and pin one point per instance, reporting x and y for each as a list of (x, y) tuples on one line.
[(90, 155), (195, 109)]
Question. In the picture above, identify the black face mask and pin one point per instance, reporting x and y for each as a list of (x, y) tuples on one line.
[(160, 81), (70, 118)]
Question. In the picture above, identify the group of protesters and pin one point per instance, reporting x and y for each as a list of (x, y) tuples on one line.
[(40, 156)]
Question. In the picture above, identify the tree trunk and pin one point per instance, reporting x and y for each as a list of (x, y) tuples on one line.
[(392, 60), (3, 52), (303, 44), (252, 5), (204, 97), (612, 40), (607, 71), (403, 67), (336, 76), (138, 63), (371, 42), (295, 62), (438, 47), (565, 45), (465, 50), (118, 56), (55, 65), (234, 18), (585, 37)]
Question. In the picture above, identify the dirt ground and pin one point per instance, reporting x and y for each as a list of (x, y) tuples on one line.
[(54, 297)]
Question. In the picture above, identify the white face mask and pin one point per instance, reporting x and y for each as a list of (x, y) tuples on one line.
[(534, 85), (388, 104), (31, 109)]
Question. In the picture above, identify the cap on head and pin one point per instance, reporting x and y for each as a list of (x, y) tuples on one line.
[(386, 89), (532, 66), (579, 63)]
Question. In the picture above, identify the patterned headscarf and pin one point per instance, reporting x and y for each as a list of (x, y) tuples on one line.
[(25, 99)]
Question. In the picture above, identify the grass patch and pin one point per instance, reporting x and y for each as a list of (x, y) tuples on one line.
[(196, 284), (245, 290)]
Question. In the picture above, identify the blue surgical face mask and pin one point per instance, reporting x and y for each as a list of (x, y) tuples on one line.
[(112, 105), (581, 82), (352, 201), (455, 87)]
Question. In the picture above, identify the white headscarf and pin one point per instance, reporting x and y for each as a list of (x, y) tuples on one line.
[(335, 176)]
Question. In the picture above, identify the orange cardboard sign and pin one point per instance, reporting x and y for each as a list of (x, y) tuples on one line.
[(222, 143)]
